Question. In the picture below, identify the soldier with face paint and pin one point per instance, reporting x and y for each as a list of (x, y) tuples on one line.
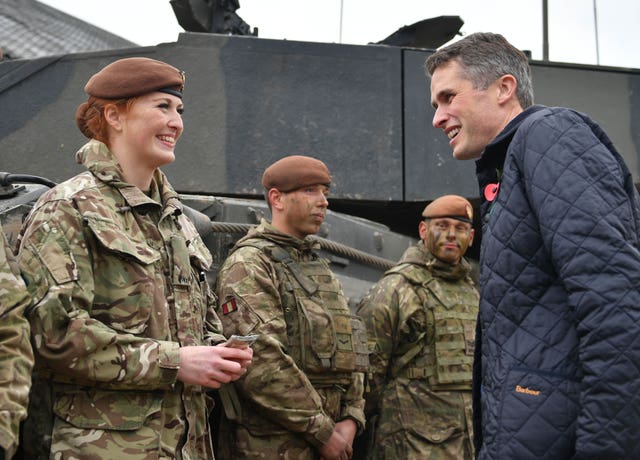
[(420, 320)]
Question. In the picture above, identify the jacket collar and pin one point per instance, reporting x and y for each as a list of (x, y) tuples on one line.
[(507, 133), (490, 165), (502, 140), (268, 231), (98, 159), (418, 254)]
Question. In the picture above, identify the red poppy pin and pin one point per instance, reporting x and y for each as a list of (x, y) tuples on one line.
[(491, 191)]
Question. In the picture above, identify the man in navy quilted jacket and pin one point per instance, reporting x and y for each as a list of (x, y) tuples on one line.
[(557, 369)]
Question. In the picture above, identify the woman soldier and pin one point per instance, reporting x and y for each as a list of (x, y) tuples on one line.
[(123, 325)]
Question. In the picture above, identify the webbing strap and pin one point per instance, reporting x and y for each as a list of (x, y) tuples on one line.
[(281, 255)]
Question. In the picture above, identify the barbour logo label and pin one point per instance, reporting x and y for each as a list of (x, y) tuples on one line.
[(527, 391), (229, 306)]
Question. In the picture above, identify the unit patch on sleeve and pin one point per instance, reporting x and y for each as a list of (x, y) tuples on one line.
[(229, 306)]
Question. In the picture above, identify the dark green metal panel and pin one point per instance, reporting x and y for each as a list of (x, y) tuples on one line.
[(252, 101), (430, 169), (248, 102), (364, 110)]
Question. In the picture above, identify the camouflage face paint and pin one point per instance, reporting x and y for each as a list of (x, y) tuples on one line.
[(305, 211), (448, 239)]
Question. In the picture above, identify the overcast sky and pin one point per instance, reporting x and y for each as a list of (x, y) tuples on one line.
[(572, 23)]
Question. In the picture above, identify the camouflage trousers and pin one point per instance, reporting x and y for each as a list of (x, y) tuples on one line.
[(417, 423)]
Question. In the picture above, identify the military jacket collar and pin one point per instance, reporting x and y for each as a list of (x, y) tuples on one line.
[(419, 255), (267, 231), (98, 159)]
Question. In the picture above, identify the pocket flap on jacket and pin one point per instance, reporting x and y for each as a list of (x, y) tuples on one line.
[(112, 236), (107, 410), (437, 436), (431, 415)]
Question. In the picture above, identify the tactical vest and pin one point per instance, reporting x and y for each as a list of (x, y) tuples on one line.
[(443, 353), (326, 341)]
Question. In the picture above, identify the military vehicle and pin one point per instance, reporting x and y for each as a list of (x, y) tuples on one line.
[(362, 109)]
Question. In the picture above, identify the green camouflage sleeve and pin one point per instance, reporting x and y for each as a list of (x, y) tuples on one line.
[(56, 262), (353, 402), (213, 327), (200, 255), (16, 355), (380, 312), (250, 304)]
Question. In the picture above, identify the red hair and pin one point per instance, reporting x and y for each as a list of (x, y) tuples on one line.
[(93, 120)]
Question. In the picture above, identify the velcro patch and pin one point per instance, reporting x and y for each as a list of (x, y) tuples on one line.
[(229, 306)]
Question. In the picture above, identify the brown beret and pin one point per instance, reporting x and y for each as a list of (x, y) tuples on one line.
[(294, 172), (127, 78), (450, 206), (135, 76)]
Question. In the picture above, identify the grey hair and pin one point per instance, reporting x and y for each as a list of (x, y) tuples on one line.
[(485, 57)]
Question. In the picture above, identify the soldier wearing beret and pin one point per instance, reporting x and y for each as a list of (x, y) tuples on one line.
[(15, 351), (420, 320), (302, 396), (123, 322)]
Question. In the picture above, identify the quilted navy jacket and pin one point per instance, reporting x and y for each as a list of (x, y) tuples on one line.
[(559, 323)]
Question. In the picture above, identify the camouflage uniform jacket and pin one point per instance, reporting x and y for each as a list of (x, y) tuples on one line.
[(421, 323), (118, 283), (15, 350), (278, 395)]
